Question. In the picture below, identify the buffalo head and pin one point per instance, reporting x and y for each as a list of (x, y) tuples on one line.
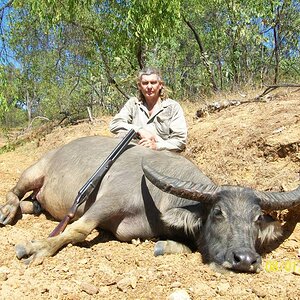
[(235, 225)]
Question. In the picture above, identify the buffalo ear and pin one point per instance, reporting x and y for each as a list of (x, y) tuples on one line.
[(270, 229), (186, 219)]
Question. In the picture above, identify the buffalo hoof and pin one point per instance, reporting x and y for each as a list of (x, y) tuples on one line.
[(170, 247), (34, 251), (7, 213), (20, 251)]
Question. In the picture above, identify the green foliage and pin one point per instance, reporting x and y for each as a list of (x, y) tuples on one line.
[(10, 145), (3, 106), (3, 101), (72, 54), (7, 148), (9, 94), (151, 20)]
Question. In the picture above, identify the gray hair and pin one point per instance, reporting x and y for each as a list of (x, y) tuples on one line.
[(150, 71)]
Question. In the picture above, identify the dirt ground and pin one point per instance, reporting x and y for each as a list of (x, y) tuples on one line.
[(254, 144)]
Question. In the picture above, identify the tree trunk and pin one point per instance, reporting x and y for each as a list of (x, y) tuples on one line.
[(276, 44), (202, 54), (90, 114), (28, 104), (110, 78), (141, 56)]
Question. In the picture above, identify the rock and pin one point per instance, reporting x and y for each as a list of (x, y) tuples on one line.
[(176, 284), (222, 288), (127, 282), (4, 271), (203, 289), (89, 288), (83, 261), (3, 276), (260, 292), (104, 289), (179, 295), (65, 269), (136, 242)]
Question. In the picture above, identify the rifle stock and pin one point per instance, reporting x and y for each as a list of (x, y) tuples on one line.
[(94, 180), (61, 226)]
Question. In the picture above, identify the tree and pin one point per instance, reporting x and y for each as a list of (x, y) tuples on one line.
[(70, 55)]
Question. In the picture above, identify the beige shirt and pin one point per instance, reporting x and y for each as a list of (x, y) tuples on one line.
[(167, 122)]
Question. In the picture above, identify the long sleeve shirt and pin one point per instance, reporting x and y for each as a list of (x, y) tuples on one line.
[(167, 122)]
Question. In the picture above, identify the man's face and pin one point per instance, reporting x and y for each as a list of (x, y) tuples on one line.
[(150, 86)]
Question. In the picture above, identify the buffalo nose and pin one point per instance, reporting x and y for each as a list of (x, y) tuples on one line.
[(247, 261)]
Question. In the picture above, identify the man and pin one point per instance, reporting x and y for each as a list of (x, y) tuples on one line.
[(158, 120)]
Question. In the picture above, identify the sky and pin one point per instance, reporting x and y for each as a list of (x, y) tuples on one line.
[(6, 55)]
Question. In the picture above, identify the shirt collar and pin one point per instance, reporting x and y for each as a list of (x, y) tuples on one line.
[(163, 103), (161, 106)]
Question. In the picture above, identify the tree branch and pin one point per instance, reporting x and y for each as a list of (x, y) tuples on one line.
[(202, 54), (218, 105), (273, 87)]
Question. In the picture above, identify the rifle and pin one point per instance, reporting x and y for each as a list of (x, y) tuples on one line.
[(94, 180)]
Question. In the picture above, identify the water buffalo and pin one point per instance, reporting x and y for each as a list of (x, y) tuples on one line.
[(147, 194)]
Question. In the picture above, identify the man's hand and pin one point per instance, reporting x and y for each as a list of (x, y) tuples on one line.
[(147, 139), (149, 143)]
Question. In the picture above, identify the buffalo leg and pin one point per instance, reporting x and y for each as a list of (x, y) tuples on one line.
[(170, 247), (74, 233), (28, 206), (31, 180), (9, 209)]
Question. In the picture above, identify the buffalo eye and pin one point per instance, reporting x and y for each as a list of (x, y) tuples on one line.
[(217, 213), (259, 218)]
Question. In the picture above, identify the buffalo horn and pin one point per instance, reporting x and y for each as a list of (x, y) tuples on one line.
[(278, 200), (180, 188)]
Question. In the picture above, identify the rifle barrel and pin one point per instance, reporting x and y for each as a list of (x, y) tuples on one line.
[(90, 185), (111, 158)]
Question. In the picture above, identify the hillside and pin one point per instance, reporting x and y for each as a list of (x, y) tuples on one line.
[(254, 144)]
